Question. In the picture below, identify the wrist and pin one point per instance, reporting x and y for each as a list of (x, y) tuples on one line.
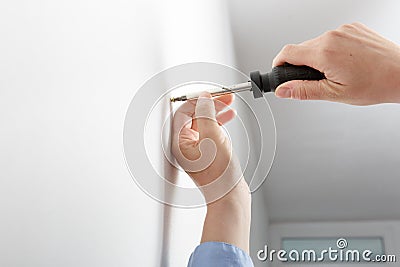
[(397, 85), (228, 219), (239, 197), (392, 89)]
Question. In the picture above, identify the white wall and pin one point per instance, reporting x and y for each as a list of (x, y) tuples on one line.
[(68, 71)]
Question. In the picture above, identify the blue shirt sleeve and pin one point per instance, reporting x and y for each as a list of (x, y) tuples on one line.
[(218, 254)]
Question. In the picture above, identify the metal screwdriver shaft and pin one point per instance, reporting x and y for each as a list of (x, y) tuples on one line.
[(263, 83), (241, 87)]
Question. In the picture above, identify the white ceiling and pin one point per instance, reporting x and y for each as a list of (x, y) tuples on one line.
[(334, 161)]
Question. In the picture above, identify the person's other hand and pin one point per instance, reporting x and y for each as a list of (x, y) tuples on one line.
[(361, 67), (205, 153), (201, 147)]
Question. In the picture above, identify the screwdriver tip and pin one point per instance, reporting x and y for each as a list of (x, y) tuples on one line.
[(180, 98)]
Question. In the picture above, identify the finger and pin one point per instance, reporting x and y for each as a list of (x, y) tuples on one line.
[(186, 110), (205, 116), (306, 90), (194, 125), (221, 102), (182, 119), (355, 27), (193, 103), (295, 55), (360, 31), (226, 116)]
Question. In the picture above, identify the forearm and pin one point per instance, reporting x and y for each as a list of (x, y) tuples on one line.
[(228, 219)]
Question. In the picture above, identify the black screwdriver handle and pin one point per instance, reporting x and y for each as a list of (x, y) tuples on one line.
[(268, 82)]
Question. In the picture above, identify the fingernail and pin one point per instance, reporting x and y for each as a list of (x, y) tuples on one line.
[(205, 95), (284, 92)]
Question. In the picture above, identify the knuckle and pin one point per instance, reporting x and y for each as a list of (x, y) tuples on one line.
[(334, 35), (301, 93), (346, 27), (358, 24), (329, 35), (288, 49)]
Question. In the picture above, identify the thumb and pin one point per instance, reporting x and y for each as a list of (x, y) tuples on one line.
[(205, 116), (304, 90)]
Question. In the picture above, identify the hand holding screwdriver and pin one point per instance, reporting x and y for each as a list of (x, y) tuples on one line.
[(361, 67)]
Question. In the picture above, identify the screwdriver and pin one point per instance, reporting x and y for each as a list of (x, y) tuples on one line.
[(263, 83)]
